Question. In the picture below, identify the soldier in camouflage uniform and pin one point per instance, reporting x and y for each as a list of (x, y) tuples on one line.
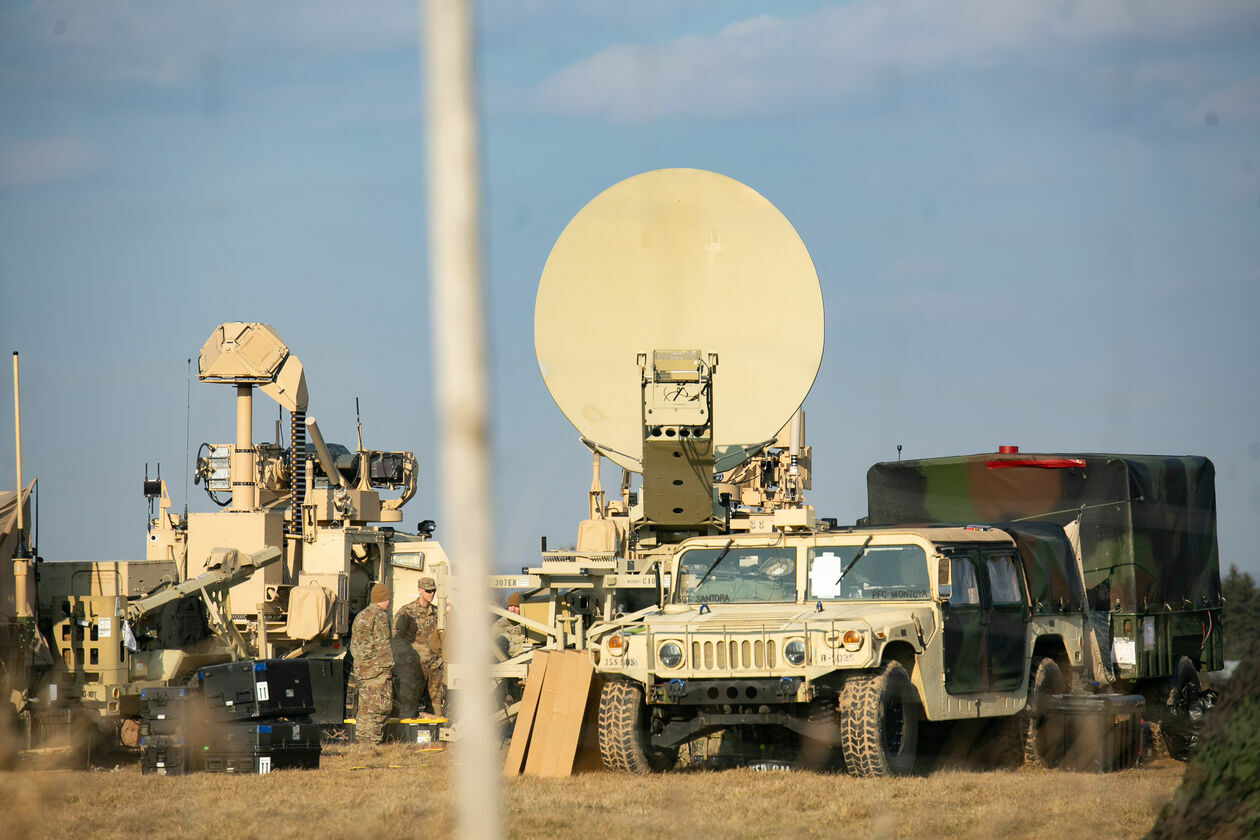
[(373, 665), (508, 635), (420, 645)]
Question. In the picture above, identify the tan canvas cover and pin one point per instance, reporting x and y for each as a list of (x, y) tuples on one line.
[(310, 611), (597, 535)]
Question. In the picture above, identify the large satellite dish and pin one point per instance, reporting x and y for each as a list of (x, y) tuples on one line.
[(679, 259)]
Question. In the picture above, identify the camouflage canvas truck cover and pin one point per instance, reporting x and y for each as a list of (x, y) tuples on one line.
[(1144, 526), (801, 643)]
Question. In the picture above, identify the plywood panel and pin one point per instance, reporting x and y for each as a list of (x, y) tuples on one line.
[(525, 716), (570, 699)]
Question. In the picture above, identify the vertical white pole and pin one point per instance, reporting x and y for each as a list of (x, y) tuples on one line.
[(462, 395), (22, 590), (244, 461), (17, 441)]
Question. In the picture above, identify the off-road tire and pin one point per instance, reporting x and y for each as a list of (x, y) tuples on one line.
[(624, 736), (879, 723), (1044, 679), (1174, 697)]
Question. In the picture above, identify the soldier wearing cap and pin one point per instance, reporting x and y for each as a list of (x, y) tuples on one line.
[(421, 663), (373, 665), (508, 635)]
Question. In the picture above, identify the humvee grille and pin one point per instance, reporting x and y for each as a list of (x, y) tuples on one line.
[(734, 655)]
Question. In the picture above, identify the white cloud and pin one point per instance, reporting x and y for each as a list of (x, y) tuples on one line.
[(26, 163), (763, 63)]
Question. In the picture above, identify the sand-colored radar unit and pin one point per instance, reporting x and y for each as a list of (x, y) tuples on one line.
[(679, 327)]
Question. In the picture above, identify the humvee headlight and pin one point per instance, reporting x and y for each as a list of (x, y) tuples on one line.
[(616, 644), (794, 652), (852, 640), (670, 654)]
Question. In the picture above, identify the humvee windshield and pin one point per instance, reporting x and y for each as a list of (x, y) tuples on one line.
[(736, 575), (876, 572)]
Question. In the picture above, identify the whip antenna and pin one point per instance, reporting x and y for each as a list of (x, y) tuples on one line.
[(187, 427)]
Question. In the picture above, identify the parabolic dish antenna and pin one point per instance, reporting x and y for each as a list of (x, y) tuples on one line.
[(679, 259)]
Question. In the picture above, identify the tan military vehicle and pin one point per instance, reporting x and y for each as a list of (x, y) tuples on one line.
[(307, 528), (841, 639)]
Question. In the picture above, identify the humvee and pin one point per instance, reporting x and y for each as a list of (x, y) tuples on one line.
[(848, 639)]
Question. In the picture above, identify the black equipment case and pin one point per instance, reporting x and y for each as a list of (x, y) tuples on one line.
[(259, 763), (422, 731), (1095, 733), (260, 746), (165, 710), (164, 755), (264, 688)]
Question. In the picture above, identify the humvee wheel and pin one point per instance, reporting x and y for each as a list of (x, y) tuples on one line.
[(624, 737), (1044, 679), (879, 723)]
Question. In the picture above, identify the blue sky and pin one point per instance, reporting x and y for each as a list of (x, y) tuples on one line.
[(1034, 223)]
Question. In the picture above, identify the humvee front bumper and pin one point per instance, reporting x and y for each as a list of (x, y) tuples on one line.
[(708, 692), (680, 730)]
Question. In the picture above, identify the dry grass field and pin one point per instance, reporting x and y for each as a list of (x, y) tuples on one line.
[(395, 791)]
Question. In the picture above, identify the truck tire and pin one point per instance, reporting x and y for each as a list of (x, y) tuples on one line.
[(879, 723), (1175, 695), (624, 737), (1044, 679)]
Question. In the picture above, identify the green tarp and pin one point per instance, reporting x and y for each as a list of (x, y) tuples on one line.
[(1147, 522)]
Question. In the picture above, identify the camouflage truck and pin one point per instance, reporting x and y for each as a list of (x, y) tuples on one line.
[(1144, 532), (807, 641)]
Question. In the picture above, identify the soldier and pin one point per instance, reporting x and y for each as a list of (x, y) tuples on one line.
[(417, 628), (508, 635), (373, 663)]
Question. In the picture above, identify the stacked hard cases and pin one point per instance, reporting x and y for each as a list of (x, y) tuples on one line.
[(258, 715), (164, 715), (240, 717), (1096, 733)]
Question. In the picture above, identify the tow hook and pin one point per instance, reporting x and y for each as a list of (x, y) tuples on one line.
[(674, 689), (787, 686)]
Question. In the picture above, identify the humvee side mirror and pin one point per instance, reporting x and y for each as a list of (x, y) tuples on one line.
[(943, 588)]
